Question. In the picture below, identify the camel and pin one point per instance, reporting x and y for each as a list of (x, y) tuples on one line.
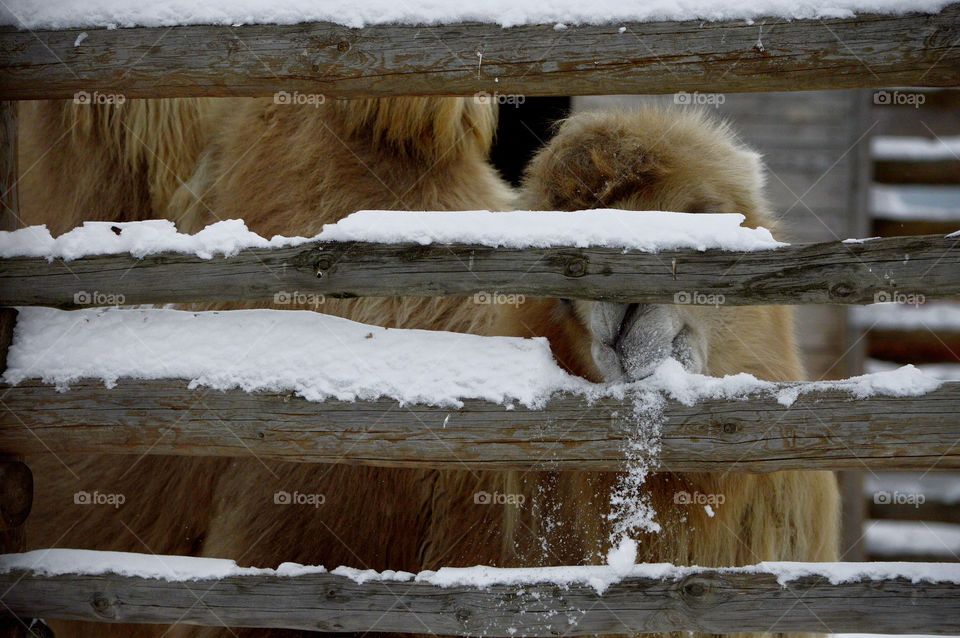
[(288, 169)]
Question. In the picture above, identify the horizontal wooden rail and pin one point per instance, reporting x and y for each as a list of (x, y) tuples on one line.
[(928, 511), (920, 345), (821, 430), (942, 171), (771, 54), (711, 601), (889, 269)]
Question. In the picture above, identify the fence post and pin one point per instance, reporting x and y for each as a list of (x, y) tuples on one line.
[(16, 480)]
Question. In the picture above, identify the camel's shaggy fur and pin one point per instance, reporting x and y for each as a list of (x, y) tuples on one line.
[(287, 170)]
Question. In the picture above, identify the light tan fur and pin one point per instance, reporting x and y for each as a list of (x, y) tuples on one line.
[(287, 170)]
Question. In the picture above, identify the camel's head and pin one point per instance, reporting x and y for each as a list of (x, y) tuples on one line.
[(652, 159)]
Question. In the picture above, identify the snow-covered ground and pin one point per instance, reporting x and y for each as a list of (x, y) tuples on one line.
[(320, 356), (649, 231), (884, 147), (61, 14), (926, 203), (934, 315)]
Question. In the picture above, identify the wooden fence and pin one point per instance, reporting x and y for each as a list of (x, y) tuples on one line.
[(714, 601), (821, 430), (834, 273)]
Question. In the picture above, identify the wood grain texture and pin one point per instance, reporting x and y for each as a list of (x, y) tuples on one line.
[(711, 601), (830, 273), (821, 430), (770, 54)]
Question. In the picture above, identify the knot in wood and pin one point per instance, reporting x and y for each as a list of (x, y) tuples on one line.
[(841, 290), (323, 265), (694, 589), (463, 615), (575, 266), (103, 606), (343, 46), (729, 428)]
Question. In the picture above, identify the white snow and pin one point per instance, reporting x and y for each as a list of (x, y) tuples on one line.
[(638, 230), (942, 371), (623, 556), (319, 356), (912, 538), (137, 238), (600, 577), (927, 203), (915, 148), (60, 14), (50, 562), (934, 315)]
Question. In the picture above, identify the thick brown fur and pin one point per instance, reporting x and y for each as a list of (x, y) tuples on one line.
[(289, 169)]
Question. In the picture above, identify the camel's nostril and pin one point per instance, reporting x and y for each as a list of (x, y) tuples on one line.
[(633, 313)]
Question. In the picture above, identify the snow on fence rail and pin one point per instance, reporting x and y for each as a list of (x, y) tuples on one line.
[(756, 433), (765, 54), (483, 601), (711, 258), (317, 388)]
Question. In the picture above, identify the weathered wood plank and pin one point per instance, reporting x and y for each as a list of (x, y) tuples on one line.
[(916, 345), (928, 511), (768, 55), (917, 172), (821, 430), (16, 480), (831, 273), (711, 601), (891, 227)]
